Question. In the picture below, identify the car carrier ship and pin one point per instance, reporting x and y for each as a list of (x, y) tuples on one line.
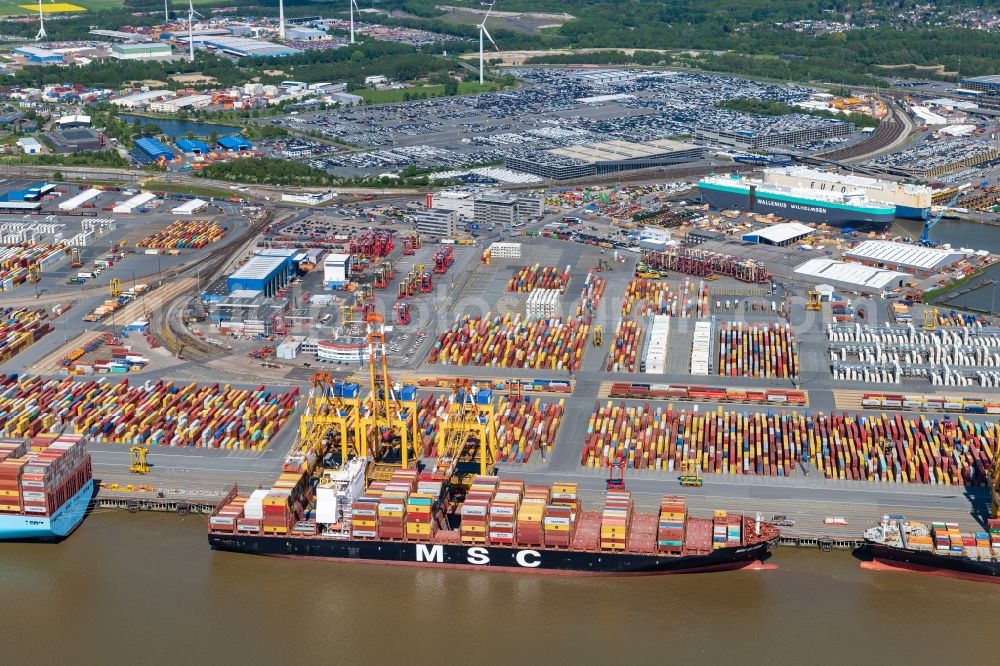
[(839, 209), (911, 201), (494, 524), (938, 548), (46, 485)]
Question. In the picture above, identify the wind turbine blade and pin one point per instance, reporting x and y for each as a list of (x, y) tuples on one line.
[(490, 37), (488, 10)]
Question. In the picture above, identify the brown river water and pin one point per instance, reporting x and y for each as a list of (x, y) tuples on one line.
[(146, 589)]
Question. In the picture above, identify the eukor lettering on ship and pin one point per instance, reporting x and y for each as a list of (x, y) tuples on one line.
[(842, 207)]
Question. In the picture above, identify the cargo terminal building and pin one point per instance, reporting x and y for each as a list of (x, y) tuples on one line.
[(597, 159), (267, 275)]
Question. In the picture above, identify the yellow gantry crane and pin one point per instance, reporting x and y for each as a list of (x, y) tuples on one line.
[(389, 430), (690, 476), (930, 319), (598, 336), (115, 288), (330, 420), (467, 437), (138, 465), (815, 301)]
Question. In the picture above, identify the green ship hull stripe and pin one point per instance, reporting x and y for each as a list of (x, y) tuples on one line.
[(888, 210)]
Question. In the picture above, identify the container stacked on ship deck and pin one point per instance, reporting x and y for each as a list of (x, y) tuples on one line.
[(670, 526), (503, 512), (616, 520), (39, 478), (530, 530), (726, 530), (560, 515), (475, 510)]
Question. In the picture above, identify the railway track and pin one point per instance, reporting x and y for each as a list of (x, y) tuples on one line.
[(889, 130), (166, 322)]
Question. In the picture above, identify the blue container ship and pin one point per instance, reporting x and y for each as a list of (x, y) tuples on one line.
[(59, 525)]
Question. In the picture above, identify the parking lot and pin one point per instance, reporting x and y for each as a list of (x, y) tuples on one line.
[(554, 108)]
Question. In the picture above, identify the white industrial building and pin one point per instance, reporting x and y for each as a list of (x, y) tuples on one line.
[(133, 204), (336, 270), (850, 276), (141, 99), (178, 103), (29, 145), (76, 201), (190, 207), (912, 259), (462, 202), (142, 51), (779, 234), (343, 350), (291, 347), (436, 222), (495, 209)]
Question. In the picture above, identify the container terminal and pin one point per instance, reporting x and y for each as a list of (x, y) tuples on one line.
[(629, 330)]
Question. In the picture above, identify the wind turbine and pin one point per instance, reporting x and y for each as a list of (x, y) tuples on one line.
[(281, 20), (166, 11), (354, 5), (484, 31), (41, 23), (191, 14)]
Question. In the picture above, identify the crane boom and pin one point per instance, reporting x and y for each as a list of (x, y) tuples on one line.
[(930, 223)]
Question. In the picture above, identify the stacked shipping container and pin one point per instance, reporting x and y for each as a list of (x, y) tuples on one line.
[(151, 414), (624, 347), (184, 234), (863, 448), (758, 350), (16, 260), (514, 342), (38, 478), (19, 329), (616, 519), (527, 279), (648, 297)]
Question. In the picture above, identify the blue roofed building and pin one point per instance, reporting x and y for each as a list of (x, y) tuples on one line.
[(193, 146), (261, 274), (153, 149), (235, 143), (39, 56)]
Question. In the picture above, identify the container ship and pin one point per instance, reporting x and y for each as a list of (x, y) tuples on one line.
[(837, 209), (940, 548), (496, 524), (911, 201), (46, 485)]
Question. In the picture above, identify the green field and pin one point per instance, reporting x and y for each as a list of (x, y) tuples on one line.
[(399, 94)]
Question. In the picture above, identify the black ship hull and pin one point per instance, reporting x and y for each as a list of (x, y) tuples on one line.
[(929, 562), (495, 558)]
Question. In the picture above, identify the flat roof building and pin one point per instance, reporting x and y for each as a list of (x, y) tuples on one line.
[(29, 145), (306, 34), (39, 56), (264, 274), (779, 234), (190, 207), (242, 47), (586, 160), (436, 222), (77, 140), (850, 277), (141, 99), (142, 51), (495, 209), (912, 259)]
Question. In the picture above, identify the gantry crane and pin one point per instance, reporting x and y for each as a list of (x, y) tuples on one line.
[(930, 319), (389, 430), (690, 476), (34, 273), (467, 438), (76, 260), (598, 336), (815, 301), (330, 421), (115, 288), (138, 465)]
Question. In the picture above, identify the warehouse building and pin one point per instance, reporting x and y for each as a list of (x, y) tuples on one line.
[(141, 99), (192, 146), (436, 222), (141, 51), (235, 143), (190, 207), (261, 274), (850, 277), (73, 121), (989, 84), (588, 160), (912, 259), (29, 145), (39, 56), (79, 140), (186, 102), (242, 47), (779, 234), (306, 34), (336, 270), (153, 149), (134, 204)]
